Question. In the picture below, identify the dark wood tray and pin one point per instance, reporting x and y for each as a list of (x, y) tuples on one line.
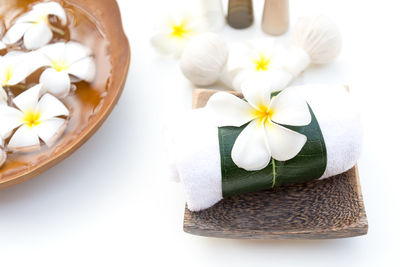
[(320, 209)]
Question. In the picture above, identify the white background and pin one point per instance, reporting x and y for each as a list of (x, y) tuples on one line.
[(109, 204)]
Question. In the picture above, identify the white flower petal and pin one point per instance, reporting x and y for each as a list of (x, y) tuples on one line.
[(161, 43), (10, 56), (24, 64), (290, 109), (50, 130), (10, 118), (250, 151), (24, 139), (35, 60), (30, 17), (56, 83), (256, 92), (283, 143), (277, 79), (37, 36), (27, 101), (240, 77), (239, 58), (75, 51), (229, 110), (164, 44), (50, 107), (52, 8), (3, 96), (84, 69), (2, 45), (15, 33), (54, 52)]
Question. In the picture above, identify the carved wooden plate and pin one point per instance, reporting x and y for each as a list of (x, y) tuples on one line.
[(97, 24), (319, 209)]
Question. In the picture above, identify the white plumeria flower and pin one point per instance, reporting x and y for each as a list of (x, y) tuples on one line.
[(174, 31), (34, 120), (66, 60), (2, 45), (34, 26), (3, 97), (15, 67), (254, 60), (263, 137)]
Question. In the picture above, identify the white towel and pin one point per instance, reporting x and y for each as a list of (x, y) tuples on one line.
[(194, 145)]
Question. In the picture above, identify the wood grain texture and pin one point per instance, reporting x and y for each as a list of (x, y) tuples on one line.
[(319, 209)]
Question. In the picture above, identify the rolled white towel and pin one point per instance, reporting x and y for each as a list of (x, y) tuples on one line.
[(195, 146)]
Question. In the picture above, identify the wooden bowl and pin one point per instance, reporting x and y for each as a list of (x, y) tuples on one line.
[(319, 209), (106, 15)]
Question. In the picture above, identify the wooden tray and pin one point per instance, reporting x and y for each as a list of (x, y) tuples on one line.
[(320, 209)]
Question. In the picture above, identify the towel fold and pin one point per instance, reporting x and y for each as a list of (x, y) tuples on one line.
[(194, 145)]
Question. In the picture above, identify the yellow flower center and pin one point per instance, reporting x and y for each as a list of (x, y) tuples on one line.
[(60, 65), (261, 63), (31, 118), (179, 30), (263, 114), (42, 18), (8, 73)]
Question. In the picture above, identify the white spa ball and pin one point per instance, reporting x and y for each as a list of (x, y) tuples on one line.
[(319, 37), (204, 59)]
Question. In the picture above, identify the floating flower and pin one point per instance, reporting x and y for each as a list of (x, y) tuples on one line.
[(2, 45), (15, 67), (174, 32), (264, 137), (3, 97), (251, 60), (34, 26), (34, 120), (3, 157), (65, 60)]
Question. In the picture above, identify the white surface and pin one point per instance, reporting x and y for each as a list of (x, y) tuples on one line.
[(109, 204)]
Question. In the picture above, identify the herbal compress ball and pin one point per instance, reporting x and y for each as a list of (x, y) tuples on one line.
[(204, 59)]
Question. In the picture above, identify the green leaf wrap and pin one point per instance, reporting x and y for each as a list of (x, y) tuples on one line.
[(309, 164)]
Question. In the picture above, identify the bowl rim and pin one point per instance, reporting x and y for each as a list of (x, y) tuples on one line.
[(96, 122)]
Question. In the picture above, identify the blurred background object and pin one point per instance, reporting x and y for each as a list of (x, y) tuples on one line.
[(275, 20), (240, 13)]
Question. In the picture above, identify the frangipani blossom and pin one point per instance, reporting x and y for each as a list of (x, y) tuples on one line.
[(34, 26), (263, 137), (65, 60), (174, 32), (3, 157), (253, 60), (34, 120), (3, 97), (2, 45), (15, 67), (3, 102)]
